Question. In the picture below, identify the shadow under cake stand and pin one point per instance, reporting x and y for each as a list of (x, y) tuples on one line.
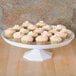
[(38, 54)]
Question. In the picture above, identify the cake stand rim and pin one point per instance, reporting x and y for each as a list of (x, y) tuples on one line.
[(17, 44)]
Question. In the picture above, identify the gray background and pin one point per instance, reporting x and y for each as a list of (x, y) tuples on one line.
[(51, 11)]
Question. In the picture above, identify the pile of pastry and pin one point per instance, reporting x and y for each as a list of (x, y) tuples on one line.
[(40, 33)]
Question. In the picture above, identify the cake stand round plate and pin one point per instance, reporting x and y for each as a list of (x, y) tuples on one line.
[(38, 54)]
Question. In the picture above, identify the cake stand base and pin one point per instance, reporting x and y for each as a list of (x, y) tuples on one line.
[(37, 55)]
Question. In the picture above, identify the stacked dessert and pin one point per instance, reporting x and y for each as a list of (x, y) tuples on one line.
[(40, 33)]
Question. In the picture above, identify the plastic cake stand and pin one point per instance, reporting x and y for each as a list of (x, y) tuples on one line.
[(38, 54)]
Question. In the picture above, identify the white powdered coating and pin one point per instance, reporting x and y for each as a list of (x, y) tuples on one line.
[(40, 23), (26, 24), (17, 35), (33, 34), (47, 27), (66, 31), (38, 30), (41, 38), (46, 33), (32, 27), (27, 38), (25, 31), (61, 34), (60, 27), (9, 31), (16, 27), (55, 39)]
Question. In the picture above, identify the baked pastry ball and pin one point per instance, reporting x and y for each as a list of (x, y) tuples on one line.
[(31, 27), (53, 31), (55, 39), (16, 27), (17, 36), (33, 34), (53, 27), (27, 39), (46, 33), (60, 27), (26, 24), (41, 40), (40, 24), (62, 35), (47, 27), (38, 30), (9, 33), (67, 31), (24, 31), (40, 33)]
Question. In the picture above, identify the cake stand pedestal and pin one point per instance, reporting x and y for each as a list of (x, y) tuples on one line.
[(38, 54)]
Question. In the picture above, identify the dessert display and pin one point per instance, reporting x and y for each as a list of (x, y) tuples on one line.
[(38, 37), (39, 33)]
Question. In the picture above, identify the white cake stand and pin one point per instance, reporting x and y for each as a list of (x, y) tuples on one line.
[(38, 54)]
